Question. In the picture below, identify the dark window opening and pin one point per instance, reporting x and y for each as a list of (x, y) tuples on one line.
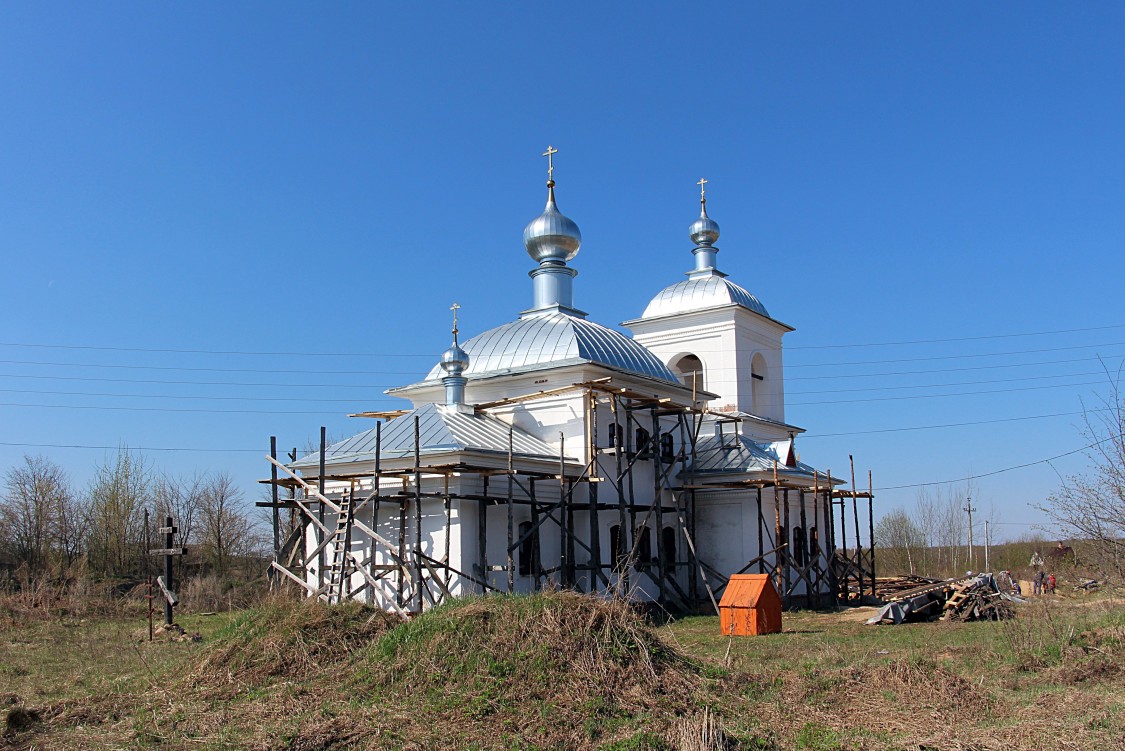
[(667, 448), (643, 440), (668, 549), (529, 550), (814, 542), (643, 546), (617, 545), (614, 435)]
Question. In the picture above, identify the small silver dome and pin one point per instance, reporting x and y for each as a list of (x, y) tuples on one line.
[(704, 230), (551, 236), (454, 360)]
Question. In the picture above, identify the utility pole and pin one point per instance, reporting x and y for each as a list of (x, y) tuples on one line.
[(987, 541), (969, 508)]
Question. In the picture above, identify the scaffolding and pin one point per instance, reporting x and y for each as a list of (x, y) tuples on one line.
[(315, 549)]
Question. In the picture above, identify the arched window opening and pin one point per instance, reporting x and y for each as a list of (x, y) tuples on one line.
[(800, 550), (529, 550), (614, 435), (814, 542), (643, 439), (667, 448), (617, 545), (758, 375), (668, 549), (689, 369), (643, 546)]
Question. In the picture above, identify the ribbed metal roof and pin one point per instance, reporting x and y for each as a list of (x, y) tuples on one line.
[(737, 454), (557, 339), (701, 293), (440, 431)]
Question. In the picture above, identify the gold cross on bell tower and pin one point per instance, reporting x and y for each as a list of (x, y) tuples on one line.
[(550, 154), (702, 189), (455, 307)]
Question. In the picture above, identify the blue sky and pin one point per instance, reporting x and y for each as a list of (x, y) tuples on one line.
[(290, 178)]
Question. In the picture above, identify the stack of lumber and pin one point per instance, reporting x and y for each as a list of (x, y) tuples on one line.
[(977, 599), (888, 587)]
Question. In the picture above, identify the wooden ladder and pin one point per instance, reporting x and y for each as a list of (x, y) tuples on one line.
[(340, 547)]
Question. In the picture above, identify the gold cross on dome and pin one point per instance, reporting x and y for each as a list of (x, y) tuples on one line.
[(455, 307), (702, 188), (550, 154)]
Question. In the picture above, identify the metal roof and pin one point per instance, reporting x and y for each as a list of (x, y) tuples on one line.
[(440, 431), (701, 293), (535, 341), (737, 454)]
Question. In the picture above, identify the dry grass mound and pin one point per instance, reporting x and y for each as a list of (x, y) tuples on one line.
[(287, 640), (566, 669)]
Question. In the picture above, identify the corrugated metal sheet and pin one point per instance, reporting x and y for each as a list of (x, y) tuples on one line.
[(701, 293), (439, 431), (739, 455), (556, 338)]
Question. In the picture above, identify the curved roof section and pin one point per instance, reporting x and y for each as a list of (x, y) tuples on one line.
[(699, 294), (556, 339)]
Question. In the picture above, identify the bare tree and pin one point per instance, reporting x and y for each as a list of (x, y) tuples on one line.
[(1091, 507), (225, 531), (897, 536), (36, 512), (115, 514)]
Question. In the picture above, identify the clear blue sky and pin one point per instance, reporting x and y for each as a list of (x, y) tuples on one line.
[(287, 177)]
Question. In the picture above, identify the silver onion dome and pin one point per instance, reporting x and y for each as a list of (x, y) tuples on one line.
[(704, 230), (454, 360), (551, 236)]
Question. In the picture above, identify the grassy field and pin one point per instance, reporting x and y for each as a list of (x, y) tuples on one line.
[(564, 671)]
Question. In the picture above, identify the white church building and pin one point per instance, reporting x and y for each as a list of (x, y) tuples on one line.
[(553, 451)]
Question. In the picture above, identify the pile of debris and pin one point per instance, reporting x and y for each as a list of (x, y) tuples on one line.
[(969, 598), (887, 587), (979, 599)]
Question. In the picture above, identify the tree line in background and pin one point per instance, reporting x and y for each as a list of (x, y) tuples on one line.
[(48, 526), (1088, 510)]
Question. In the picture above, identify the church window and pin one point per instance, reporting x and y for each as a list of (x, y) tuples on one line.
[(814, 542), (643, 439), (668, 549), (667, 448), (529, 549), (643, 547), (689, 369), (614, 435), (617, 545)]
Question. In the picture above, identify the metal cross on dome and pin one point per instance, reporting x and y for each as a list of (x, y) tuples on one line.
[(454, 307), (702, 188), (550, 153)]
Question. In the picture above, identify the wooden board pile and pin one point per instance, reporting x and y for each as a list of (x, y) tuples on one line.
[(887, 587), (977, 599)]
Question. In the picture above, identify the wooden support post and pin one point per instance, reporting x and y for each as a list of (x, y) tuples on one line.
[(482, 535), (169, 531), (657, 498), (276, 515), (787, 552), (818, 572), (622, 509), (830, 537), (871, 525), (858, 546), (536, 564), (594, 474), (761, 536), (778, 536), (805, 557), (320, 508), (511, 520), (418, 569)]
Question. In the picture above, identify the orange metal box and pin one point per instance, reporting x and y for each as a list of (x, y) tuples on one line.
[(750, 606)]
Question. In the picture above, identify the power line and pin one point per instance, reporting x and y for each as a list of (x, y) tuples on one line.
[(172, 409), (209, 370), (944, 385), (954, 357), (929, 371), (188, 396), (977, 475), (130, 448), (949, 424), (959, 338), (212, 351), (191, 383), (939, 396)]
